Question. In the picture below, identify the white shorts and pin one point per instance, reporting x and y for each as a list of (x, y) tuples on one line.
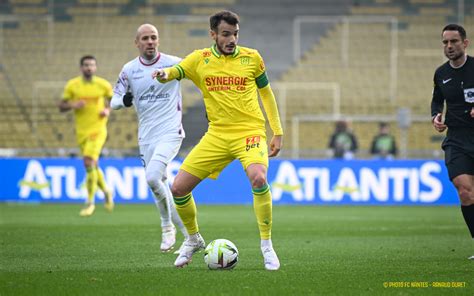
[(163, 150)]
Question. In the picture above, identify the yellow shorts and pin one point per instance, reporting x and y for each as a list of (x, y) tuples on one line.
[(215, 152), (91, 146)]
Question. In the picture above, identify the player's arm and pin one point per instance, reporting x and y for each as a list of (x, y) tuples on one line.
[(167, 74), (122, 97), (108, 93), (67, 103), (185, 69), (270, 106), (437, 105), (106, 111), (271, 109)]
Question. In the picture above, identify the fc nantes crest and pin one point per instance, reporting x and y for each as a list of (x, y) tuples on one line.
[(244, 60)]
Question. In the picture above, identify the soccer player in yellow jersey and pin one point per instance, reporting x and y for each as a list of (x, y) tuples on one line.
[(89, 96), (229, 77)]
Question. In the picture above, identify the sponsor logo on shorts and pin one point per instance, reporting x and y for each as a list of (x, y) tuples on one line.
[(252, 142)]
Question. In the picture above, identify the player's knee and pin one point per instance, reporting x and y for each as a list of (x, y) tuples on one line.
[(152, 183), (465, 192), (465, 195), (89, 162), (153, 179), (177, 190), (259, 180)]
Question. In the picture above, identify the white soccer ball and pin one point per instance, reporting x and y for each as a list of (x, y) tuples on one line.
[(221, 254)]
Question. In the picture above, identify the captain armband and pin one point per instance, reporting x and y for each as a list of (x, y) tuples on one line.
[(262, 80)]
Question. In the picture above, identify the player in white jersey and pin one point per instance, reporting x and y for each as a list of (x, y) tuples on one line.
[(160, 132)]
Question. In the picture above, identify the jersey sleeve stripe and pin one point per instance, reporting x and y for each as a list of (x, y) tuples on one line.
[(181, 72), (262, 80)]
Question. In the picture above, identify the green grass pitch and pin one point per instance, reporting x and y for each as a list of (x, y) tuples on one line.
[(50, 250)]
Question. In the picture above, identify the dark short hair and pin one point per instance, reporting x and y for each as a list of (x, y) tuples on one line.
[(86, 57), (383, 124), (226, 16), (456, 27)]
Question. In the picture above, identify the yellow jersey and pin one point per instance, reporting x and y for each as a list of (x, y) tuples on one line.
[(229, 86), (94, 93)]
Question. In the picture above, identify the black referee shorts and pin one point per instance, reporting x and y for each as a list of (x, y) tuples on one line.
[(459, 152)]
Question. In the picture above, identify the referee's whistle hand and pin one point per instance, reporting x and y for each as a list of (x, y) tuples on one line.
[(275, 146), (438, 123)]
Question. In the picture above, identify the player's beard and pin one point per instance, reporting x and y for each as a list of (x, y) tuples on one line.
[(223, 50), (88, 75)]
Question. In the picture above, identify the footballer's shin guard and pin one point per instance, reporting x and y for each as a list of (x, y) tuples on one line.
[(262, 204), (186, 209), (91, 184)]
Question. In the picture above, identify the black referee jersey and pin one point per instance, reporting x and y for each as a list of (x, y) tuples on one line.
[(456, 87)]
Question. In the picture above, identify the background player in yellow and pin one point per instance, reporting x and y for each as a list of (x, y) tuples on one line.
[(89, 95), (229, 77)]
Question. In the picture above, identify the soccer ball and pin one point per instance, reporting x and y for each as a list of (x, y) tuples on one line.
[(221, 254)]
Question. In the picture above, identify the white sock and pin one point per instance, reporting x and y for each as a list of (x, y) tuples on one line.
[(154, 175), (177, 221), (266, 243), (165, 214), (156, 179)]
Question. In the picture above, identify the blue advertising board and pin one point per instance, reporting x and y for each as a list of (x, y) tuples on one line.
[(355, 182)]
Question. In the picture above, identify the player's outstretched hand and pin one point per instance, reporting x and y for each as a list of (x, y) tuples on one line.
[(275, 145), (159, 74), (438, 123), (128, 99)]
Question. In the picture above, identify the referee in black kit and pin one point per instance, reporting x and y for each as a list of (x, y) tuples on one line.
[(454, 83)]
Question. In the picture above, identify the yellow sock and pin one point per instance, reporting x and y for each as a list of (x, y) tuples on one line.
[(187, 211), (262, 204), (91, 183), (101, 181)]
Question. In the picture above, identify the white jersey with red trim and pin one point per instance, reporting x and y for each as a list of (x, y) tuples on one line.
[(158, 105)]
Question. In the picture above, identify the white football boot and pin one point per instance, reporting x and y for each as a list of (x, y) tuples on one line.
[(180, 248), (270, 259), (471, 258), (192, 245), (168, 239)]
